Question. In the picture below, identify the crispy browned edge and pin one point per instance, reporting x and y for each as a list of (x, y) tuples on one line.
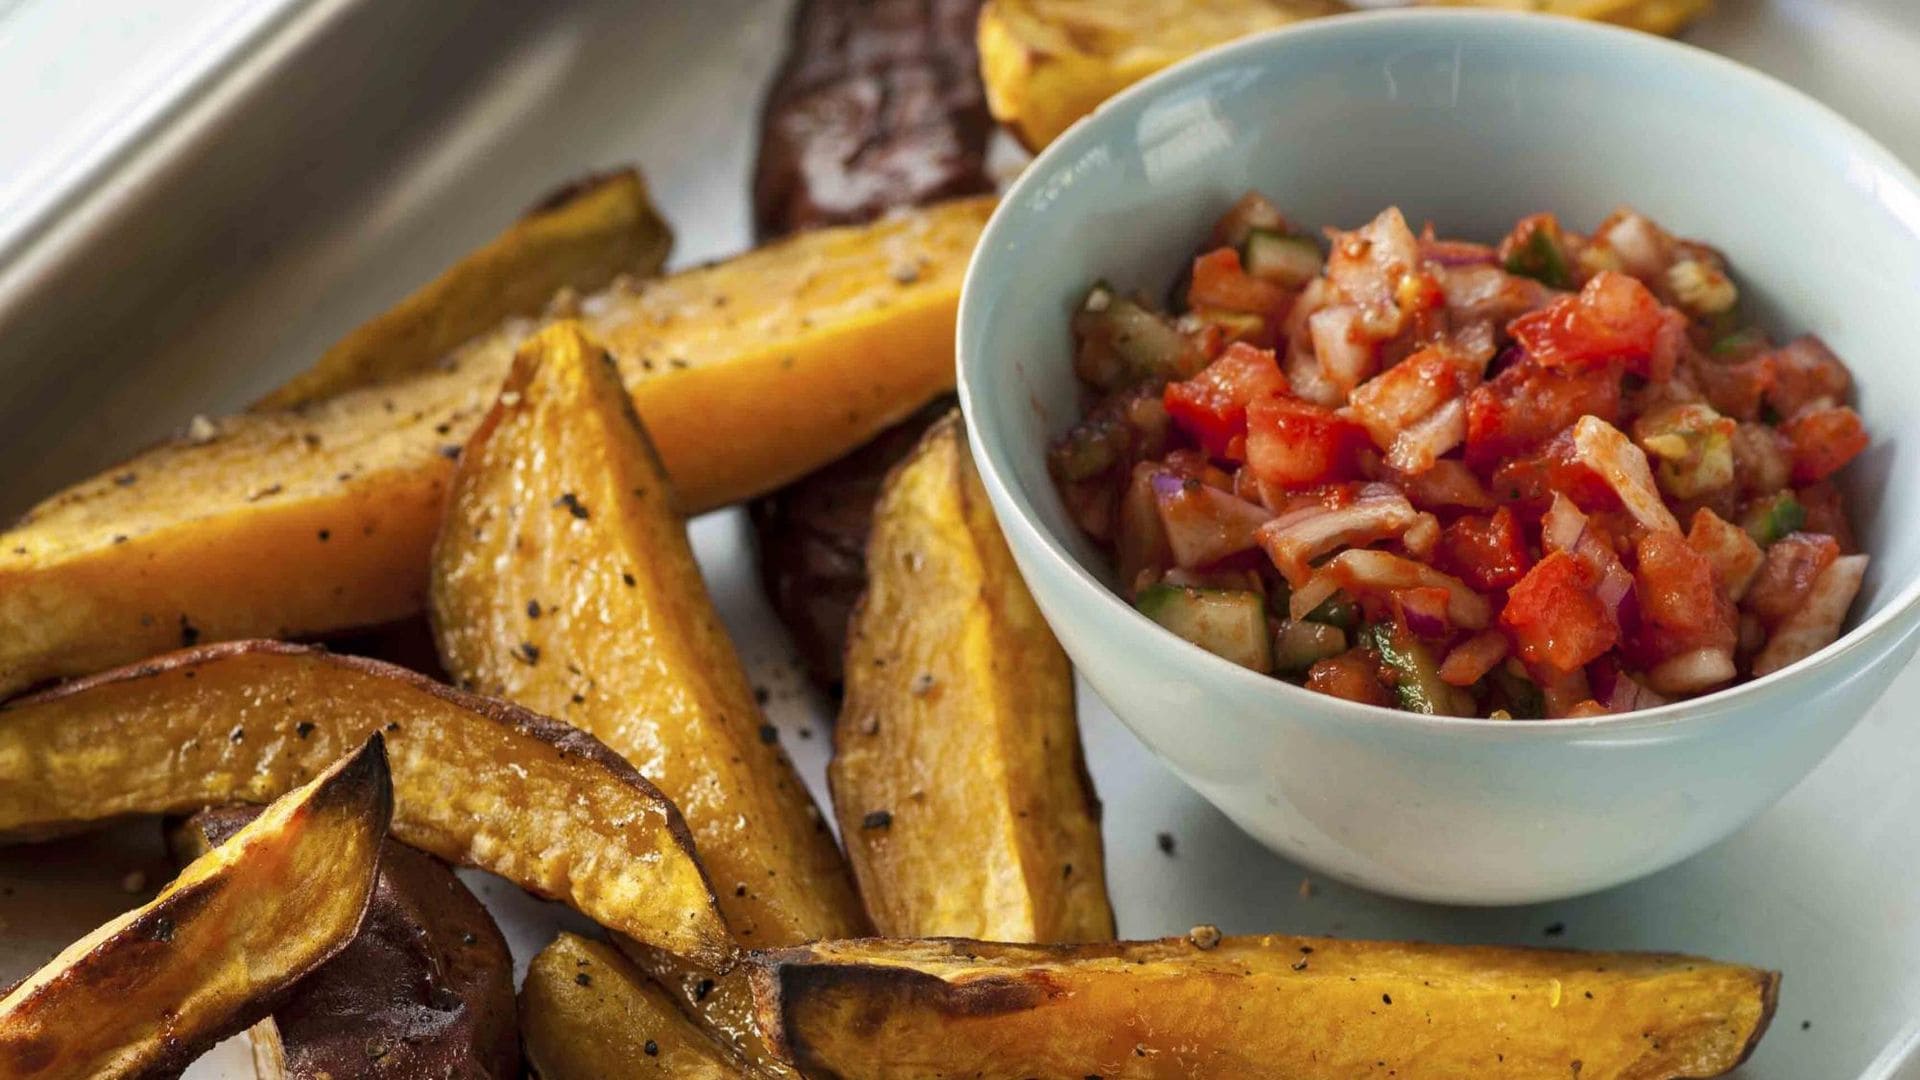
[(410, 883), (370, 758), (570, 741), (773, 971)]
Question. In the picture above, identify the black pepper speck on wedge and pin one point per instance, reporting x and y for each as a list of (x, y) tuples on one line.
[(527, 653), (878, 819), (570, 502), (189, 633)]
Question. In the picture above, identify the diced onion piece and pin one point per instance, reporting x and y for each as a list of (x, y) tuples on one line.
[(1703, 289), (1422, 537), (1728, 548), (1628, 695), (1202, 523), (1473, 658), (1295, 539), (1818, 622), (1302, 643), (1692, 672), (1345, 358), (1641, 247), (1417, 448), (1608, 452), (1359, 570), (1310, 595)]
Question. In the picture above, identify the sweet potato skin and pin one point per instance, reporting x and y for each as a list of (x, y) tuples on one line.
[(477, 781), (308, 521), (588, 1015), (1281, 1007), (578, 239), (148, 992), (957, 773), (424, 989), (563, 580)]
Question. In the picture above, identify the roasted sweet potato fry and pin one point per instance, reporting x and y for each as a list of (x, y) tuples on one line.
[(424, 989), (476, 781), (1047, 63), (563, 580), (588, 1015), (1653, 16), (218, 948), (1283, 1007), (308, 521), (957, 774), (720, 1003), (579, 238)]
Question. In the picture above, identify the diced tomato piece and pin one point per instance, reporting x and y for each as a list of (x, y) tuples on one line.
[(1785, 579), (1219, 281), (1736, 389), (1294, 444), (1351, 675), (1488, 552), (1527, 404), (1682, 607), (1826, 511), (1531, 481), (1614, 318), (1212, 406), (1823, 441), (1805, 371), (1554, 618)]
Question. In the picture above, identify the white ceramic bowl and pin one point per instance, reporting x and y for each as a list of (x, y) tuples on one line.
[(1470, 120)]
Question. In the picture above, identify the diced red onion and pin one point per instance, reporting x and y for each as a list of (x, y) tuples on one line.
[(1422, 443), (1473, 658), (1366, 570), (1627, 695), (1204, 524), (1345, 358), (1692, 672), (1424, 610), (1293, 540)]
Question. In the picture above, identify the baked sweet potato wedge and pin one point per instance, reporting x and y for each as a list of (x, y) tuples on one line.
[(1282, 1007), (302, 522), (476, 781), (153, 989), (563, 580), (424, 989), (1047, 63), (1654, 16), (587, 1014), (957, 774), (578, 239), (719, 1003)]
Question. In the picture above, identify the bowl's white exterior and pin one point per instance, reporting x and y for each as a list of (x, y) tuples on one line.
[(1469, 120)]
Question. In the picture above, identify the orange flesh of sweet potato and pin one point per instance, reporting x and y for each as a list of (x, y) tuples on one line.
[(563, 580), (957, 774), (307, 521), (476, 781), (1282, 1007), (424, 989), (151, 990), (588, 1015)]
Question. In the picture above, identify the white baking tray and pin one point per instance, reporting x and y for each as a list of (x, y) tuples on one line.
[(341, 152)]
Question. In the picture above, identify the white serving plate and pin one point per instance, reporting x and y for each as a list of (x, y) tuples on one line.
[(318, 166)]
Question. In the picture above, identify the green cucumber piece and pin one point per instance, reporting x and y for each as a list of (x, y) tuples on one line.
[(1524, 699), (1774, 518), (1540, 259), (1416, 683), (1300, 645), (1337, 610), (1286, 260), (1230, 623)]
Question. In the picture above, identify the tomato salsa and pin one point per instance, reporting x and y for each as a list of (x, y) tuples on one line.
[(1556, 476)]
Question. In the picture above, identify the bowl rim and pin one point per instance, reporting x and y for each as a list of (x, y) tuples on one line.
[(1888, 627)]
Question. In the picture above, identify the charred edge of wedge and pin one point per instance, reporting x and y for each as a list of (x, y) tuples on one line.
[(425, 937), (357, 783)]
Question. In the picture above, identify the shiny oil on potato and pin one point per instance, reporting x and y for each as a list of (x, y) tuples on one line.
[(1285, 1008), (477, 782), (306, 521), (563, 580), (219, 947), (957, 774)]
